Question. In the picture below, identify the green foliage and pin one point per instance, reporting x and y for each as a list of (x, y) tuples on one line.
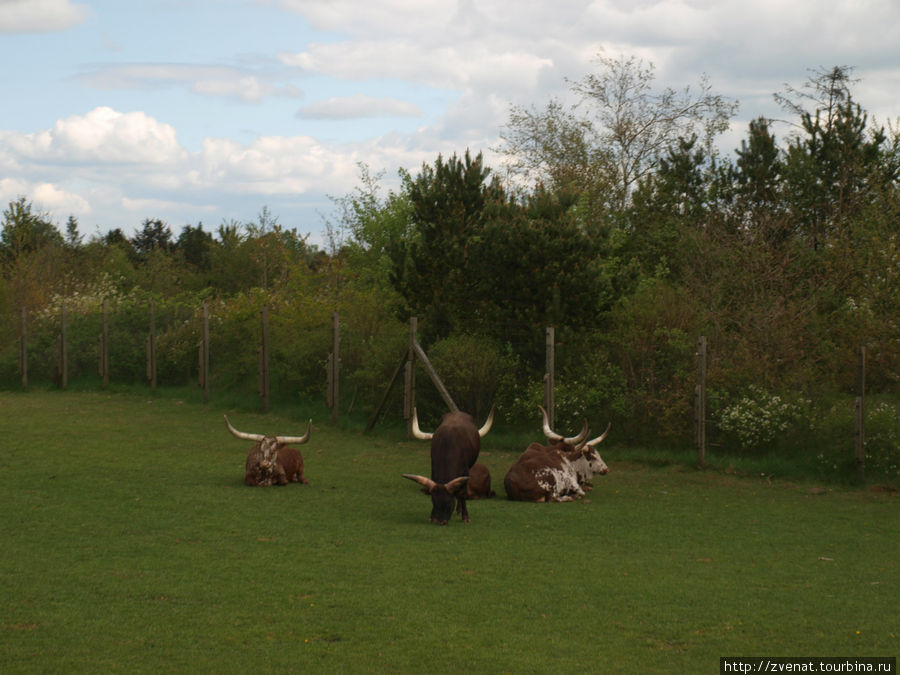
[(883, 439), (654, 341), (474, 370)]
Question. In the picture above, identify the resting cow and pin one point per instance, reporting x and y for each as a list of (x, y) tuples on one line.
[(479, 485), (270, 461), (454, 449), (557, 472)]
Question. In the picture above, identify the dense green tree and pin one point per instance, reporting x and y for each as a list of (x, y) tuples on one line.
[(74, 239), (153, 235), (195, 245), (25, 231), (836, 161), (450, 204)]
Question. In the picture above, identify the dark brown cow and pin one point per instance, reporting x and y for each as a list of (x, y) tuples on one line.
[(270, 461), (479, 485), (454, 449)]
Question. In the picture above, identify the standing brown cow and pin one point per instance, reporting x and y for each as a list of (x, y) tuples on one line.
[(454, 449), (270, 460)]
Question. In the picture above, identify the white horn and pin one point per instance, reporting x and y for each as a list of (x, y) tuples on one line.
[(482, 432), (599, 438), (553, 436), (421, 480), (241, 434), (417, 432), (295, 439)]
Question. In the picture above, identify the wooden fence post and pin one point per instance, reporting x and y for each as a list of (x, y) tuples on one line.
[(104, 345), (23, 349), (334, 369), (63, 352), (550, 376), (204, 355), (409, 380), (861, 416), (700, 402), (264, 360), (151, 347)]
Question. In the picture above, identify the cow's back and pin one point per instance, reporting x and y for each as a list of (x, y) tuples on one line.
[(479, 485), (454, 447)]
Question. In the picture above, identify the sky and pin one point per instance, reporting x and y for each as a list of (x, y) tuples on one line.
[(210, 111)]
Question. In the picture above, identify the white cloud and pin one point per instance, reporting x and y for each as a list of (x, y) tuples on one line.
[(142, 207), (273, 165), (222, 81), (387, 17), (40, 16), (45, 197), (358, 106), (452, 67), (102, 135)]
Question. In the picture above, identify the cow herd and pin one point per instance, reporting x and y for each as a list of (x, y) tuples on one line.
[(559, 471)]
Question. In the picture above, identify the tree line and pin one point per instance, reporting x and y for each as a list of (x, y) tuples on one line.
[(617, 220)]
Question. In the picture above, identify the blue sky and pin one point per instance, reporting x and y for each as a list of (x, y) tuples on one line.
[(209, 110)]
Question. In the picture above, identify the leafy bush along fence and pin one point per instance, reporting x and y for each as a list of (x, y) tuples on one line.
[(836, 434), (110, 342), (219, 346)]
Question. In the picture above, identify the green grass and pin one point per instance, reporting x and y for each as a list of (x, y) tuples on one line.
[(130, 544)]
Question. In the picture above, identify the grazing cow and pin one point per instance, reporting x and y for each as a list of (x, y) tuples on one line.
[(557, 472), (270, 461), (479, 485), (454, 449)]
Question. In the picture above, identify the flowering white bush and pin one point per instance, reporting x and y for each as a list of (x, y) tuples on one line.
[(85, 298), (758, 418), (883, 439)]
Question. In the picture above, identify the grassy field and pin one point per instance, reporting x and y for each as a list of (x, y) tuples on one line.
[(130, 544)]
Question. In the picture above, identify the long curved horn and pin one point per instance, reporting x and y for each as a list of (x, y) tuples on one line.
[(482, 432), (427, 483), (553, 436), (456, 484), (599, 438), (241, 434), (417, 432), (295, 439)]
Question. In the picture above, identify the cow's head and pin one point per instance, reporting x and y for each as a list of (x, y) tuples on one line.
[(443, 495), (595, 461), (266, 448)]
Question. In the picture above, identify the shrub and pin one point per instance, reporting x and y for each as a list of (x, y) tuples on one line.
[(757, 419), (883, 440), (474, 370)]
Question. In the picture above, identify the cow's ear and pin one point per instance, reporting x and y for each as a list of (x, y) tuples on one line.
[(457, 485)]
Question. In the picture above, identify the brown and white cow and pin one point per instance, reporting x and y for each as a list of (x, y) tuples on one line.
[(557, 472), (270, 461), (454, 448)]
